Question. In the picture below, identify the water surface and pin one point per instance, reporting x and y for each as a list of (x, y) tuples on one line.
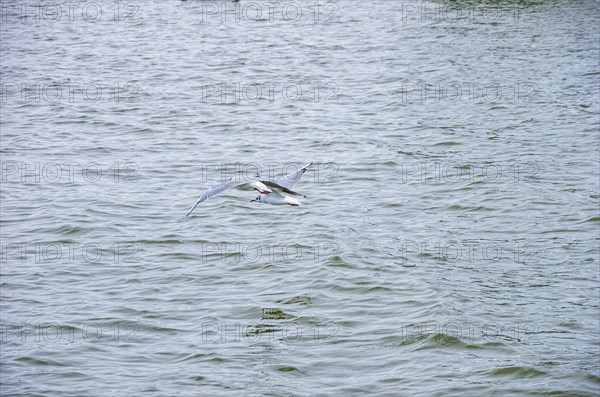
[(448, 244)]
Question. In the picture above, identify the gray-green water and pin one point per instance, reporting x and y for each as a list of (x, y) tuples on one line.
[(449, 244)]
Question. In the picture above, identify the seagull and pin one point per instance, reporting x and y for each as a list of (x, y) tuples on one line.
[(270, 192)]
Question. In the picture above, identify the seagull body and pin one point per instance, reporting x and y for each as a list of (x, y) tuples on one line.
[(277, 199), (270, 192)]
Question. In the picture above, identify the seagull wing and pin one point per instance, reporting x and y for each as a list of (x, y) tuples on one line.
[(213, 191), (290, 180), (283, 189), (277, 193)]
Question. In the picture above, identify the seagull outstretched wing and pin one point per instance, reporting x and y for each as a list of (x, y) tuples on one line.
[(277, 186), (290, 180), (213, 191)]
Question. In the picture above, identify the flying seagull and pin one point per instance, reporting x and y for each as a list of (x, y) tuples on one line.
[(270, 192)]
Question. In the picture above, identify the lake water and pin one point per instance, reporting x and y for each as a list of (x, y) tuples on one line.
[(449, 243)]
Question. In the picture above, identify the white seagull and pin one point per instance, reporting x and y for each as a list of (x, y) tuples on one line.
[(270, 192)]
